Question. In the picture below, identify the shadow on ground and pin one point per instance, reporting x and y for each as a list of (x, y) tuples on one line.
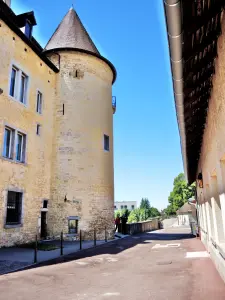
[(116, 247)]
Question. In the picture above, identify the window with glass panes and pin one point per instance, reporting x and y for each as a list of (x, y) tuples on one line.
[(18, 85), (20, 147), (13, 82), (8, 143), (23, 87)]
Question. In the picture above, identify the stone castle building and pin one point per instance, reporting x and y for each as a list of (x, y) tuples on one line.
[(196, 34), (56, 132)]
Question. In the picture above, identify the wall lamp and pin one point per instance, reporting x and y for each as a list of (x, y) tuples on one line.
[(200, 180)]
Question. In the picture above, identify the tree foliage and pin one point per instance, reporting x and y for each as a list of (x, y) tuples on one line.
[(145, 212), (180, 194)]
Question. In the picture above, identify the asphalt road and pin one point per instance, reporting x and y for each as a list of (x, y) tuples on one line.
[(138, 267)]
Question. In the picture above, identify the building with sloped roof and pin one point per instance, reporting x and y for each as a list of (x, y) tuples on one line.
[(56, 132), (196, 35), (186, 214)]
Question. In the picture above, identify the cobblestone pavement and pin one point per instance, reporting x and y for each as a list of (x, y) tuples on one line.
[(9, 266)]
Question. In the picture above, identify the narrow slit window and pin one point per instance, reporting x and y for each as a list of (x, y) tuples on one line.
[(39, 103), (38, 130), (106, 142)]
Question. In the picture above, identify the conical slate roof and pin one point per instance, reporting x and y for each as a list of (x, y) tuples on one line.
[(71, 34)]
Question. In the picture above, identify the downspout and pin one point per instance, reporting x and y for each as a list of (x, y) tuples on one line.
[(175, 39)]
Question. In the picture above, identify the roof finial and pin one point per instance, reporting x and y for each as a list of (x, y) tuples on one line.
[(72, 6)]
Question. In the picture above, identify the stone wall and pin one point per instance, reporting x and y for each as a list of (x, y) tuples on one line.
[(32, 177), (211, 199), (81, 170), (150, 225)]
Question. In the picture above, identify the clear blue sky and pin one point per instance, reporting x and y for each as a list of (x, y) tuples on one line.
[(132, 35)]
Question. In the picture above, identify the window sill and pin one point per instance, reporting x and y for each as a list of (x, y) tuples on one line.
[(13, 161), (8, 226), (16, 100)]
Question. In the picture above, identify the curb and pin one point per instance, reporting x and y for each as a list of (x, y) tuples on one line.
[(59, 259)]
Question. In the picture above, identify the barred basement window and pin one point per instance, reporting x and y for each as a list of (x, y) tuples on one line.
[(14, 208)]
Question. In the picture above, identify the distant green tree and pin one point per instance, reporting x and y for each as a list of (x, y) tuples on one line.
[(124, 212), (180, 194), (134, 216), (145, 204)]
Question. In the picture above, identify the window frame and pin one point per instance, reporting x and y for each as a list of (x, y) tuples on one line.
[(39, 102), (29, 26), (22, 148), (14, 144), (13, 68), (23, 88), (76, 219), (11, 146), (20, 73), (8, 224), (106, 142)]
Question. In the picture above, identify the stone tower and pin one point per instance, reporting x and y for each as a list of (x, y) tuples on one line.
[(82, 186)]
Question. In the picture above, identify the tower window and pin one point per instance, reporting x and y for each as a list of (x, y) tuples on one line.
[(39, 102), (73, 225), (38, 130), (106, 142), (45, 204)]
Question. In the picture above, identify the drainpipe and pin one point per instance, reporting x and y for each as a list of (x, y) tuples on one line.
[(175, 39)]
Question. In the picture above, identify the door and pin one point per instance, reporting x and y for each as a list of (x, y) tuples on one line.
[(43, 224)]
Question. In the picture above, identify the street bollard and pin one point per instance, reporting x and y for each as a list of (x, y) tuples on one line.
[(80, 240), (95, 237), (61, 244), (105, 235), (35, 250)]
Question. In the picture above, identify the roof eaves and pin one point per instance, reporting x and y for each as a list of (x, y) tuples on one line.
[(174, 30), (8, 16)]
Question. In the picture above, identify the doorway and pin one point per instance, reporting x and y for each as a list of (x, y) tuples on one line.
[(43, 224)]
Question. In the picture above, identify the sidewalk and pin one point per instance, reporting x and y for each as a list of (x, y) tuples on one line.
[(159, 265), (15, 258)]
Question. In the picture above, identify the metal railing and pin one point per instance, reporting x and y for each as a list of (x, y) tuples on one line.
[(114, 103)]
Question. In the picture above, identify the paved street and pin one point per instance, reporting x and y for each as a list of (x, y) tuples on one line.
[(146, 266)]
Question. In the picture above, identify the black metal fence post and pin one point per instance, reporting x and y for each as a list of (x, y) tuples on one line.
[(35, 250), (105, 235), (80, 240), (61, 244), (95, 237)]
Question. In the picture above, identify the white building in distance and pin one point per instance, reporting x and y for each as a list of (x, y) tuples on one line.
[(131, 205)]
